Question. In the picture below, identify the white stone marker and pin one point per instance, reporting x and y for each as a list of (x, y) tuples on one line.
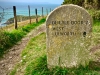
[(68, 31)]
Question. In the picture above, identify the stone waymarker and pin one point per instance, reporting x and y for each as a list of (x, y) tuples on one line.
[(68, 30)]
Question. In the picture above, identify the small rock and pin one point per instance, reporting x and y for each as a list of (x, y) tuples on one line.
[(10, 68), (18, 43), (3, 65), (10, 57), (13, 49)]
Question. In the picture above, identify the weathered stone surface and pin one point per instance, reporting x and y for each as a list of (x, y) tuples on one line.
[(68, 31)]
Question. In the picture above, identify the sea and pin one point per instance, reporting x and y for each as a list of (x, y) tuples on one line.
[(6, 10)]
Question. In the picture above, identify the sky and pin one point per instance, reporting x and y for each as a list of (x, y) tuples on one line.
[(35, 1)]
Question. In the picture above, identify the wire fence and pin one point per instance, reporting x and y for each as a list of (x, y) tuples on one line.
[(22, 13)]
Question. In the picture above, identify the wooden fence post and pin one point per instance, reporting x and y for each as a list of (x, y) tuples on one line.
[(29, 13), (36, 16), (47, 11), (50, 9), (15, 17), (42, 12)]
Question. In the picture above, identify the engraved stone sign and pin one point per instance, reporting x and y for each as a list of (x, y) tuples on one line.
[(68, 31)]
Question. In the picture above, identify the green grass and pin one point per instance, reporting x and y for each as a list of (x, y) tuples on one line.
[(34, 60), (8, 39), (96, 26), (96, 32)]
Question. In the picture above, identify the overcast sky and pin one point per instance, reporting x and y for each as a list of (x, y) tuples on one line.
[(35, 1)]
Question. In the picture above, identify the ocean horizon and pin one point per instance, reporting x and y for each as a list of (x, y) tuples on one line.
[(6, 10)]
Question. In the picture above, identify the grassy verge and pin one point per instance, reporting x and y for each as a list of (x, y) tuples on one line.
[(34, 62), (20, 18), (35, 48), (8, 39), (96, 26), (96, 32)]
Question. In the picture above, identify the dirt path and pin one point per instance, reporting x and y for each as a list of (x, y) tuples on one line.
[(13, 56)]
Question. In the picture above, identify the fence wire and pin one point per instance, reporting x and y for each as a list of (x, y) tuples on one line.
[(7, 15)]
